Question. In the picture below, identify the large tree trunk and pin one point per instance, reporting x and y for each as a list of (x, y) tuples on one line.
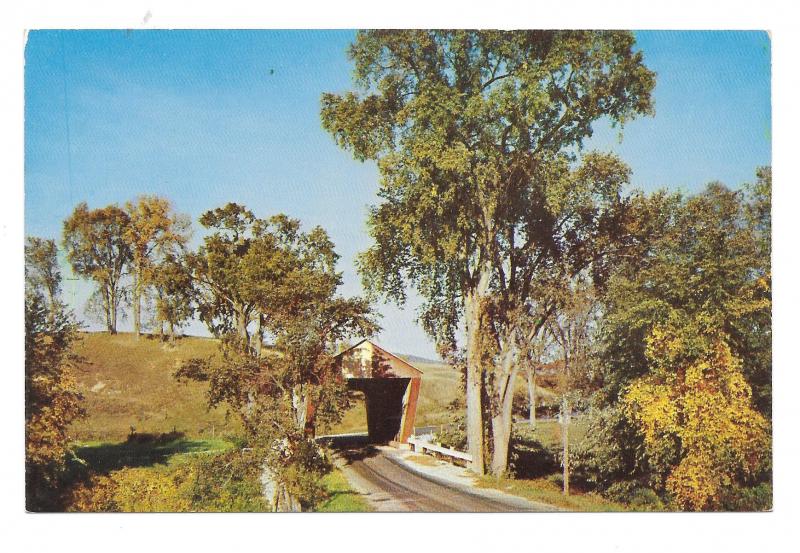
[(532, 397), (258, 335), (565, 420), (284, 502), (171, 332), (114, 308), (502, 419), (474, 385), (276, 494), (241, 327), (300, 407), (110, 307)]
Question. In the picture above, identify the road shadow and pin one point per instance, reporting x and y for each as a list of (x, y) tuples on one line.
[(351, 448)]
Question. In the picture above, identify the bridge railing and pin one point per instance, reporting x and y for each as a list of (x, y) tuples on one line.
[(420, 446)]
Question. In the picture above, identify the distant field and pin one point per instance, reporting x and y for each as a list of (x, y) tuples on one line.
[(128, 383)]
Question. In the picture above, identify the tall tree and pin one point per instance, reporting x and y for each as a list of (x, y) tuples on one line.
[(175, 294), (225, 301), (153, 231), (476, 135), (284, 280), (533, 353), (97, 249), (52, 400)]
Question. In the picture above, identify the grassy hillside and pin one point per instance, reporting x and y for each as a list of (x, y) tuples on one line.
[(128, 383)]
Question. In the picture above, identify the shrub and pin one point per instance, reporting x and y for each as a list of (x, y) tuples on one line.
[(633, 494), (755, 498), (611, 451), (228, 482)]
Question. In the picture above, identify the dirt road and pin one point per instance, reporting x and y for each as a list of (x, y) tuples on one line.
[(391, 487)]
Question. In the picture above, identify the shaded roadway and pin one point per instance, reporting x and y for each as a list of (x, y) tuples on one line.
[(390, 486)]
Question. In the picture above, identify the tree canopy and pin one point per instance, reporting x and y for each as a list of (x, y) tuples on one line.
[(270, 275), (477, 136), (153, 231), (97, 249)]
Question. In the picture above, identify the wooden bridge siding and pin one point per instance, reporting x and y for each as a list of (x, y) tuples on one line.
[(409, 410)]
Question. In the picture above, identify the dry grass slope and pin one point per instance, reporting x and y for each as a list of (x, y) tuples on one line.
[(128, 383)]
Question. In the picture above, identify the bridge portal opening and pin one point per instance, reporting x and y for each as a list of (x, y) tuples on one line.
[(383, 401)]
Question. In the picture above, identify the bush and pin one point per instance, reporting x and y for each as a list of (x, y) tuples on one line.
[(611, 452), (229, 482), (755, 498), (634, 495), (453, 435), (529, 458)]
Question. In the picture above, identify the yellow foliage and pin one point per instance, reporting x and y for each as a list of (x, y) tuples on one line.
[(702, 403)]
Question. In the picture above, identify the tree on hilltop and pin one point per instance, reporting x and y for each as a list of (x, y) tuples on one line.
[(153, 231), (97, 249)]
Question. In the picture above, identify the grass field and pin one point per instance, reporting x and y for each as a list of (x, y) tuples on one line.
[(128, 384)]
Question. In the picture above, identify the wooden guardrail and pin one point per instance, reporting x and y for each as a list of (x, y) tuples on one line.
[(421, 445)]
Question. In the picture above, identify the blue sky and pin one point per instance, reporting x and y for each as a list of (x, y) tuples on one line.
[(207, 117)]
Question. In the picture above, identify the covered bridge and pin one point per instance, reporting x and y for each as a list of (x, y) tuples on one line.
[(390, 386)]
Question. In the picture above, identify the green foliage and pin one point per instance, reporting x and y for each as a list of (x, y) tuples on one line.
[(755, 498), (701, 288), (635, 496), (485, 203), (474, 132), (611, 451), (227, 482), (96, 245), (269, 273), (705, 257), (175, 292)]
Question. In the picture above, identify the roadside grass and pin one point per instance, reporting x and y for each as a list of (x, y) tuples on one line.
[(128, 384), (545, 490), (343, 499), (537, 465)]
